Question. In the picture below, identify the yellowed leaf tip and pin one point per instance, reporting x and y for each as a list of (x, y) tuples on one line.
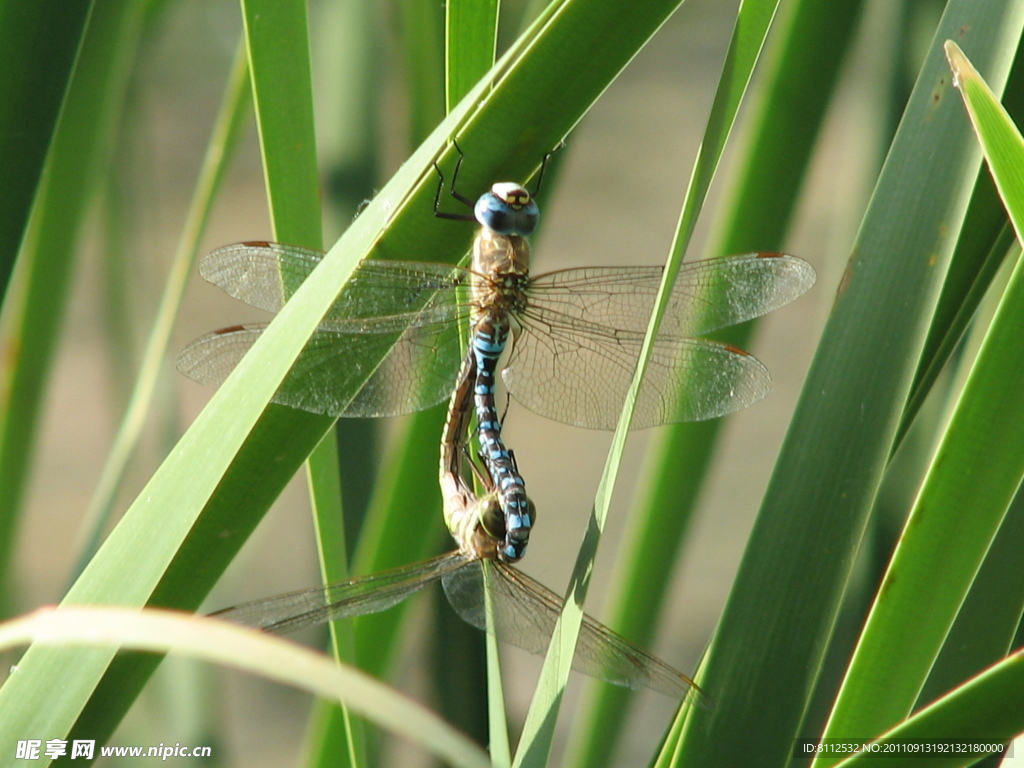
[(958, 63)]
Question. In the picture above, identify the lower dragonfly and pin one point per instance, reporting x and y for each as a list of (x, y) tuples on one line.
[(392, 342), (522, 612)]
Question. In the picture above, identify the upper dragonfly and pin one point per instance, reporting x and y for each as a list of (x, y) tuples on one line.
[(392, 343)]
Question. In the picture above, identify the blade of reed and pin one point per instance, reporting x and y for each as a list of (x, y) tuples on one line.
[(470, 47), (279, 57), (984, 242), (801, 69), (991, 613), (161, 631), (374, 638), (992, 703), (750, 30), (39, 47), (346, 86), (423, 46)]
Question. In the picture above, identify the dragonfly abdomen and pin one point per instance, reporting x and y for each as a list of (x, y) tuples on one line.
[(488, 342)]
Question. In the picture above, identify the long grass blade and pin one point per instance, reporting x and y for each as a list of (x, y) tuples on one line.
[(992, 703), (158, 631), (470, 48), (278, 47), (39, 47), (748, 39), (802, 66)]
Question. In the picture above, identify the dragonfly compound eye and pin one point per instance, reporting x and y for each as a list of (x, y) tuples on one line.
[(507, 209)]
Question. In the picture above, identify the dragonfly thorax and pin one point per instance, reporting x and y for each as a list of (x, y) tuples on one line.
[(495, 256), (502, 264), (507, 209)]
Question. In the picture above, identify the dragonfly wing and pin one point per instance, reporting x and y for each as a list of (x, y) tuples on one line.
[(265, 275), (707, 295), (378, 367), (525, 613), (357, 597), (577, 373), (256, 273)]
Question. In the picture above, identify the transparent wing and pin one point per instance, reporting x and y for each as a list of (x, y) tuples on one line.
[(582, 331), (391, 371), (581, 377), (264, 275), (293, 611), (525, 613), (390, 344), (707, 295)]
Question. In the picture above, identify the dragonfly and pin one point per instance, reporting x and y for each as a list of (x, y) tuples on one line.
[(393, 341)]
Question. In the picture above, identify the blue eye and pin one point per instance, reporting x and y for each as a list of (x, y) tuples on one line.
[(507, 209)]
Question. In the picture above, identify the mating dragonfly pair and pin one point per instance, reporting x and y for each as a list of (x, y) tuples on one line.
[(393, 341)]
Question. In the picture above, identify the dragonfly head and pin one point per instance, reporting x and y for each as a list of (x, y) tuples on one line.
[(477, 523), (487, 538), (507, 209), (483, 527)]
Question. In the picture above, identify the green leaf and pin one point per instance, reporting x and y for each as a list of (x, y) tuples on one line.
[(801, 68), (470, 44), (39, 45), (159, 631), (989, 707), (748, 38), (999, 137)]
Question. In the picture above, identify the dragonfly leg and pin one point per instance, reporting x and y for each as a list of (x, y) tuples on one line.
[(543, 165), (451, 191)]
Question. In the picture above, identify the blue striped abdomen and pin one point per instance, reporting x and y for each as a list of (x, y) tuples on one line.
[(488, 342)]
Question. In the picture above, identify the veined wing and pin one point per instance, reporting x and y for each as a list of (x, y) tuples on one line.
[(369, 594), (582, 331), (577, 373), (707, 295), (525, 613), (360, 368), (389, 345), (265, 275)]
